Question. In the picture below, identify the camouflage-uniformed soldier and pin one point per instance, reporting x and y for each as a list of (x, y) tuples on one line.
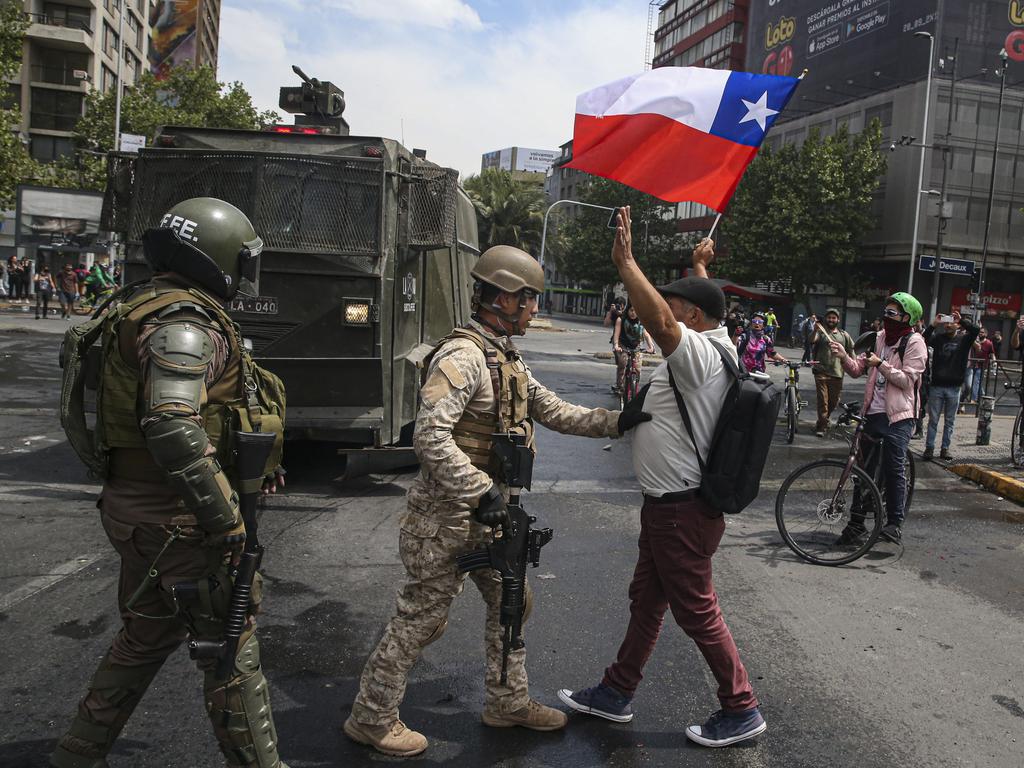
[(175, 382), (476, 384)]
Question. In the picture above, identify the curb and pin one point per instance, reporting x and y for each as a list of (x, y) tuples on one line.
[(1006, 486), (648, 356)]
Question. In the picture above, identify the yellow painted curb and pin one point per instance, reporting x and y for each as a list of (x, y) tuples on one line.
[(1006, 486)]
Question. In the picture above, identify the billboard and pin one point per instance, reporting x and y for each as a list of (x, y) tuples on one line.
[(849, 47), (58, 217), (535, 160), (173, 34), (854, 47)]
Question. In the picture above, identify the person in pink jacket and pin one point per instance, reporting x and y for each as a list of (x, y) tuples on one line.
[(891, 398)]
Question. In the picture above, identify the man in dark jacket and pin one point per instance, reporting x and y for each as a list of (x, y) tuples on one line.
[(950, 338)]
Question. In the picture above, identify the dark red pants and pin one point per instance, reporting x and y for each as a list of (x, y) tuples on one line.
[(673, 571)]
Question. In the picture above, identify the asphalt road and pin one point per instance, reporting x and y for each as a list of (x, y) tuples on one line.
[(911, 656)]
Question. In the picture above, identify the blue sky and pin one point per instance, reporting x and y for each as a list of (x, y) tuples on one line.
[(462, 76)]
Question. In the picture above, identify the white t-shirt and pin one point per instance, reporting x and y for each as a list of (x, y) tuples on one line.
[(877, 404), (663, 456)]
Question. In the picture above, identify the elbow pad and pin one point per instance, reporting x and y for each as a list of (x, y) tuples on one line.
[(179, 446)]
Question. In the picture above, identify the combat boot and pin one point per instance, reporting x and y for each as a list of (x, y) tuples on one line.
[(534, 716), (62, 758), (396, 740)]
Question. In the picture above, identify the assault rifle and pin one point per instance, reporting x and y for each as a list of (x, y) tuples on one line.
[(517, 545), (252, 450)]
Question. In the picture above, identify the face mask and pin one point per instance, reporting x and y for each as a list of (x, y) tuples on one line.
[(894, 330)]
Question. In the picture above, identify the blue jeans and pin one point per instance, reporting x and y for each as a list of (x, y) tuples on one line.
[(972, 383), (895, 439), (944, 401)]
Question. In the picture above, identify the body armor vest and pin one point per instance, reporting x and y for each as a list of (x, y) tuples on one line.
[(245, 398), (510, 383)]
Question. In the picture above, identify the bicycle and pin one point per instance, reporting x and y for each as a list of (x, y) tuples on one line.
[(630, 377), (819, 500), (1017, 436), (793, 402), (91, 300)]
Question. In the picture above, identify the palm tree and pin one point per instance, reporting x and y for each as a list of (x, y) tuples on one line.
[(508, 211)]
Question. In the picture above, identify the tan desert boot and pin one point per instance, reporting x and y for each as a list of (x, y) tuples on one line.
[(395, 740), (534, 716)]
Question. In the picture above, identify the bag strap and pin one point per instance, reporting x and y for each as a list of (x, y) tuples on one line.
[(684, 413)]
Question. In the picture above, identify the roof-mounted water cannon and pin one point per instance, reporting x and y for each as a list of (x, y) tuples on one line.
[(317, 103)]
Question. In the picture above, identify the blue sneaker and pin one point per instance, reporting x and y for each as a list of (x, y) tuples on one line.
[(601, 700), (725, 728)]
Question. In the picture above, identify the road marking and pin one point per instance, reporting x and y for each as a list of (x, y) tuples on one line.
[(57, 575), (28, 411)]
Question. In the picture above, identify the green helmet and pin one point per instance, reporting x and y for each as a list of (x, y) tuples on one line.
[(210, 242), (910, 305)]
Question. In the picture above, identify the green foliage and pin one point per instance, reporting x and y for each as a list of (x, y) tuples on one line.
[(188, 97), (584, 253), (508, 211), (13, 23), (800, 214), (15, 163)]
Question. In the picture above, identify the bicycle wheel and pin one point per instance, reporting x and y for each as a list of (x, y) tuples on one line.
[(811, 522), (1017, 440), (791, 405)]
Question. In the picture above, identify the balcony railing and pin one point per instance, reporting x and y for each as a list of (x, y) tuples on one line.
[(41, 73), (56, 21)]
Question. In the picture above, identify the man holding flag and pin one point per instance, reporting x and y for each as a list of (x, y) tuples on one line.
[(681, 134)]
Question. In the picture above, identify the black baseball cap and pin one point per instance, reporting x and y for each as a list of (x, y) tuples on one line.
[(700, 292)]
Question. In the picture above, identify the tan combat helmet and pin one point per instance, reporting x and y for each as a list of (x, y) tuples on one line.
[(511, 270)]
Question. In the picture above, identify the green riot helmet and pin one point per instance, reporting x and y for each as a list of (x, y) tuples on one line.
[(210, 242)]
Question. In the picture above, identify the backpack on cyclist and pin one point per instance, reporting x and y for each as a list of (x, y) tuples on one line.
[(731, 477)]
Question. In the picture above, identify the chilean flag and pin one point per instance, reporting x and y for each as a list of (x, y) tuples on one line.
[(678, 133)]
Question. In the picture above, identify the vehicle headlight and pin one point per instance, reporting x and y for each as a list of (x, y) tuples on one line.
[(357, 313)]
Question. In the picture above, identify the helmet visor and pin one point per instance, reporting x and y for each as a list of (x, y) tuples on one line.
[(249, 268)]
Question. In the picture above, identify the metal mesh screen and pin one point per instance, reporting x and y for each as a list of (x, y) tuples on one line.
[(432, 196), (117, 198), (311, 205)]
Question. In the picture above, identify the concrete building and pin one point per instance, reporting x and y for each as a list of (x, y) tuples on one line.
[(524, 163), (700, 33), (868, 64), (69, 49)]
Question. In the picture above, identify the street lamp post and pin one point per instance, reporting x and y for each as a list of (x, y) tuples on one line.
[(942, 188), (992, 181), (544, 232), (920, 170), (119, 52)]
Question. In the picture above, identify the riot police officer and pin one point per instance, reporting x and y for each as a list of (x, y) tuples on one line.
[(475, 385), (175, 382)]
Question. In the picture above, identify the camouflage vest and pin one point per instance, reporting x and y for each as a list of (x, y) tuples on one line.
[(245, 398), (510, 383)]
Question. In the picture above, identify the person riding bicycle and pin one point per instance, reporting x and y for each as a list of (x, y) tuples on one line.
[(627, 337), (891, 395), (97, 283), (756, 346)]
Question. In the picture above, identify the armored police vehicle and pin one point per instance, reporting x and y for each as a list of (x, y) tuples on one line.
[(368, 248)]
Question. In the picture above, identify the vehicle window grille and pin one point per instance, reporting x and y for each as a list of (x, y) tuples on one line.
[(297, 204), (432, 195), (118, 195)]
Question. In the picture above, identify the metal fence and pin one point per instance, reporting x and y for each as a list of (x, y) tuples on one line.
[(432, 201), (297, 204)]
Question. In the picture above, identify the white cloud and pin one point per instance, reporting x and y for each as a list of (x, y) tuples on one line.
[(443, 14), (459, 94)]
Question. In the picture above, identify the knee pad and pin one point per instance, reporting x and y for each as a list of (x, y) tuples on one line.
[(239, 710)]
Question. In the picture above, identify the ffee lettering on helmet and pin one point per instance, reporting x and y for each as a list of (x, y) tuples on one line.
[(185, 227)]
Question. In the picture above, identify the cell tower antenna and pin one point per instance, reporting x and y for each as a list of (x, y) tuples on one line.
[(652, 17)]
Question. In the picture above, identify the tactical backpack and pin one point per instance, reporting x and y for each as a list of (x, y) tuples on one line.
[(258, 406), (731, 477)]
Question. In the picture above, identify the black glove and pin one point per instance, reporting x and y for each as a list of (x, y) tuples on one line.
[(633, 413), (491, 509)]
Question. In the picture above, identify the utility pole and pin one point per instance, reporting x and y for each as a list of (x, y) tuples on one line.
[(942, 189), (992, 185), (920, 169), (119, 52)]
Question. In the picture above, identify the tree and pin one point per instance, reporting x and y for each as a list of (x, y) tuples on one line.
[(15, 162), (187, 96), (508, 211), (586, 249), (799, 215)]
